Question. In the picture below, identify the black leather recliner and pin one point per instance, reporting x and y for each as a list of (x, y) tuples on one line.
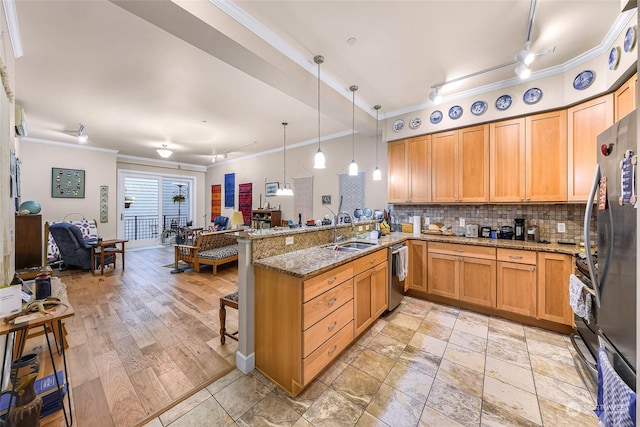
[(74, 250)]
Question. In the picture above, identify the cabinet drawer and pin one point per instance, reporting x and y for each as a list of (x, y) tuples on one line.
[(313, 337), (326, 303), (462, 250), (368, 261), (326, 353), (517, 255), (325, 281)]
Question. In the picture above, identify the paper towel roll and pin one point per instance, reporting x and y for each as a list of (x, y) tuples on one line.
[(416, 225)]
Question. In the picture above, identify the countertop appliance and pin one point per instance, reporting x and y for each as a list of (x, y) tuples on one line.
[(518, 233), (533, 233), (485, 232), (506, 232), (471, 230), (396, 286), (614, 279)]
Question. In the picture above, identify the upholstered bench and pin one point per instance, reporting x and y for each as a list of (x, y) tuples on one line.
[(215, 248)]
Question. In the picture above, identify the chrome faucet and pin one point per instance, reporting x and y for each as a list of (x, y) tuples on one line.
[(337, 218)]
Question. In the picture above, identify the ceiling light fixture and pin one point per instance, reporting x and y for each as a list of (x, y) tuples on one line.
[(164, 152), (353, 166), (435, 96), (523, 71), (377, 174), (318, 160), (525, 56), (286, 188), (82, 137)]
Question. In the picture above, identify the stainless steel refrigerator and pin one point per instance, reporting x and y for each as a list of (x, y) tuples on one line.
[(615, 272)]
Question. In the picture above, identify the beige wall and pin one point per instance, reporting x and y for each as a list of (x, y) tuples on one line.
[(100, 169), (338, 154)]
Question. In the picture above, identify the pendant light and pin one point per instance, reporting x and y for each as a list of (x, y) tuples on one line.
[(318, 160), (164, 152), (353, 167), (286, 188), (377, 173)]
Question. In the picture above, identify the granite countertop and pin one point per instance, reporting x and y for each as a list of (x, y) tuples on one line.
[(254, 234), (319, 259)]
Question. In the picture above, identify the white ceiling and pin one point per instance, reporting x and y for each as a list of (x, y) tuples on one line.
[(207, 77)]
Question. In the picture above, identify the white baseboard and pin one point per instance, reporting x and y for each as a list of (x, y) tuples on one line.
[(244, 363)]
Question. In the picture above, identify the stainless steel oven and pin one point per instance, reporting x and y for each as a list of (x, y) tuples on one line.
[(396, 286)]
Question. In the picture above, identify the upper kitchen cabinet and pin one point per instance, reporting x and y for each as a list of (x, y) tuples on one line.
[(546, 166), (409, 170), (460, 165), (626, 98), (529, 159), (585, 122), (507, 154)]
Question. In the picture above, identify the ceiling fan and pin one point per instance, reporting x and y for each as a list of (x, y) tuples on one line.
[(523, 58)]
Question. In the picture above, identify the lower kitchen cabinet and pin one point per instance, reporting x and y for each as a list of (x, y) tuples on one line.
[(416, 279), (443, 275), (370, 296), (553, 287), (477, 281), (516, 281)]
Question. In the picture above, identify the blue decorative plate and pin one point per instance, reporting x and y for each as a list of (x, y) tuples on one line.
[(583, 80), (532, 96), (630, 39), (435, 117), (503, 102), (478, 108), (398, 125), (614, 57), (455, 112), (415, 122)]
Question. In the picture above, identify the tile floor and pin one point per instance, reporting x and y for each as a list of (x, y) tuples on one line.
[(425, 364)]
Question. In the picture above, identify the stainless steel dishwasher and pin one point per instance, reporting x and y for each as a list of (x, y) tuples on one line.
[(396, 286)]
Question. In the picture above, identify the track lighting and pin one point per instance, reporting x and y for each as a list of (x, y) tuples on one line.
[(377, 174), (523, 71), (82, 137), (525, 56), (164, 152), (435, 96)]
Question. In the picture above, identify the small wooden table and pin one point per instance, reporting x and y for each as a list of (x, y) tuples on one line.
[(109, 248)]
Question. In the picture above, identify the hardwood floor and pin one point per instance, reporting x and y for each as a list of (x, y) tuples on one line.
[(142, 338)]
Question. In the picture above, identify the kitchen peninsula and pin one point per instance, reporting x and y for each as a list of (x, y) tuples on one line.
[(312, 303)]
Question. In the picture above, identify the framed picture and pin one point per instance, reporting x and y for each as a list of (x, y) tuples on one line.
[(326, 199), (270, 188), (67, 183)]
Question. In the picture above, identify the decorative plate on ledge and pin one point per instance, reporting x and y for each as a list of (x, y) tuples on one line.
[(532, 96), (614, 57), (504, 102), (398, 125), (583, 80), (455, 112), (478, 108), (415, 122), (436, 117), (630, 39)]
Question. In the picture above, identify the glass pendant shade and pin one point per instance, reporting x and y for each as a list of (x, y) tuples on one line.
[(164, 152), (353, 168), (377, 174), (318, 160), (286, 188)]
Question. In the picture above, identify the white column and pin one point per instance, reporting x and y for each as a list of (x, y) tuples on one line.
[(245, 356)]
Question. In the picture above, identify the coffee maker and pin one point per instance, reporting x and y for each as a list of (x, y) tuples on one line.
[(519, 229)]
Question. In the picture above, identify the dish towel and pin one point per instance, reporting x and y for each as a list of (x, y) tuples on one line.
[(402, 263), (579, 297), (616, 401)]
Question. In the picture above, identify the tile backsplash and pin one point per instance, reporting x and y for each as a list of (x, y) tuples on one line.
[(545, 216)]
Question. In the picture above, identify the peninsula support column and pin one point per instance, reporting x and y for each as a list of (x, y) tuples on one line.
[(245, 356)]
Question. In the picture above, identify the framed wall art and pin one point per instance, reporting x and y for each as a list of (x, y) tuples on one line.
[(67, 183), (270, 188)]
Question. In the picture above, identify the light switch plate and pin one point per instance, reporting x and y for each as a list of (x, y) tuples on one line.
[(561, 227), (462, 222), (288, 240), (359, 228)]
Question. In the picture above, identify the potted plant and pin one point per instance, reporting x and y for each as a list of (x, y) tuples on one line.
[(178, 198)]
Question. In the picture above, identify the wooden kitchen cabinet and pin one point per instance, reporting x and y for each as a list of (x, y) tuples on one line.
[(463, 272), (370, 290), (516, 281), (553, 287), (416, 279), (460, 165), (265, 218), (529, 159), (546, 154), (584, 123), (626, 98), (408, 169)]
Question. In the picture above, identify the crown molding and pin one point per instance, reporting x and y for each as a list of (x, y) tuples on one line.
[(12, 24), (66, 145)]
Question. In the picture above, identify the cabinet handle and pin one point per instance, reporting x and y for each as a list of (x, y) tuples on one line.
[(330, 352), (330, 281), (523, 200), (374, 271), (331, 302), (331, 326), (515, 256), (533, 268), (371, 261), (458, 250)]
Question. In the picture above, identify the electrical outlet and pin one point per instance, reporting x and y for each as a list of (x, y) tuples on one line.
[(561, 228), (359, 228), (427, 220), (288, 240), (462, 222), (366, 227)]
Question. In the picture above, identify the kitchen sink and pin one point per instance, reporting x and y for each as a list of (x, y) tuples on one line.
[(351, 246)]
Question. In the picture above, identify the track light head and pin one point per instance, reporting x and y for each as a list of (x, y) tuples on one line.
[(435, 96), (525, 56)]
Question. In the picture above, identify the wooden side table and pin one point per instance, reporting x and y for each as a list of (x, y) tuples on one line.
[(105, 249)]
